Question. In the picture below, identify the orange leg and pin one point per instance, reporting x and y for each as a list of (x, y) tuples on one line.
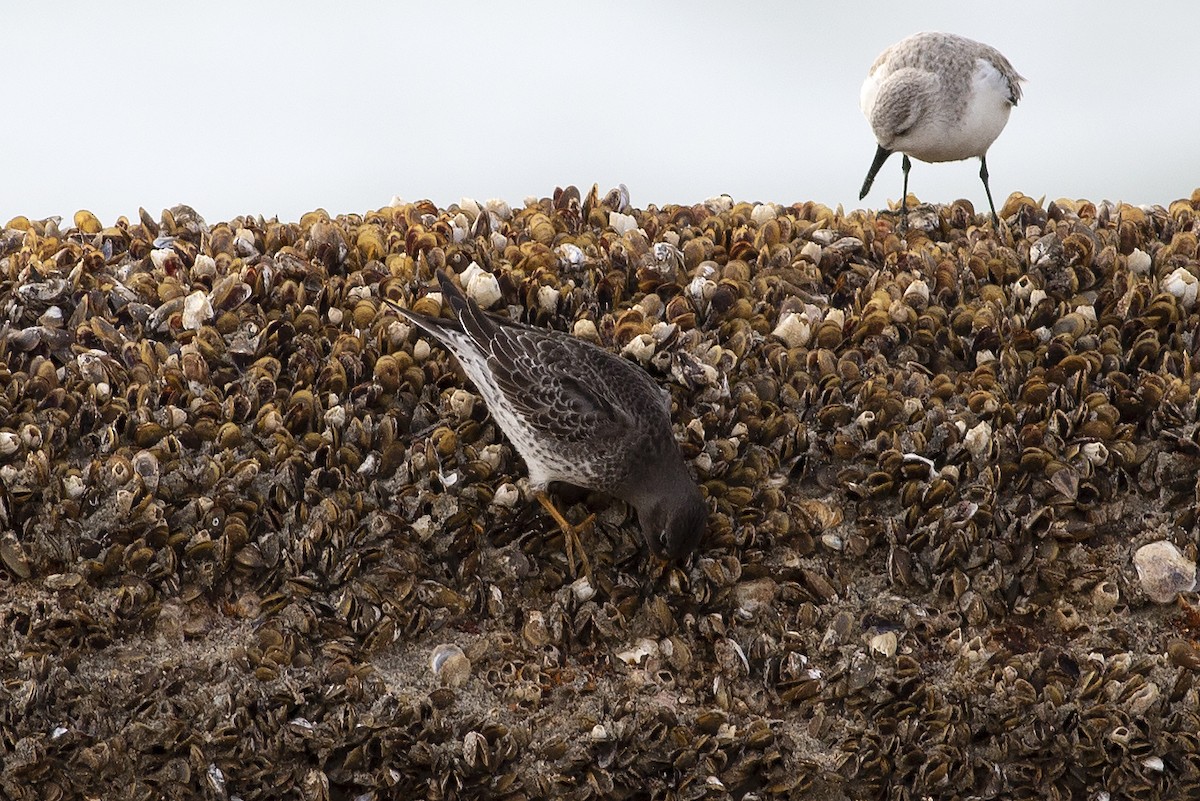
[(570, 535)]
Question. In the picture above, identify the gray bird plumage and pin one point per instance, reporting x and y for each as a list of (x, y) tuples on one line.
[(577, 414), (938, 97)]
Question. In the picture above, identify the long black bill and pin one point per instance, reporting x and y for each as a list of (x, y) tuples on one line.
[(881, 155)]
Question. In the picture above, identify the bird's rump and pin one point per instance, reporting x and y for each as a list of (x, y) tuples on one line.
[(556, 386)]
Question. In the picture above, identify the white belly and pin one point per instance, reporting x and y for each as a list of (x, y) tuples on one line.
[(946, 129)]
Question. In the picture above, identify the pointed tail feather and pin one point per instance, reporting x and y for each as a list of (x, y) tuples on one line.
[(439, 329), (478, 325), (452, 294)]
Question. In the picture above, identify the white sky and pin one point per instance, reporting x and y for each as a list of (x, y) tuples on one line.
[(276, 108)]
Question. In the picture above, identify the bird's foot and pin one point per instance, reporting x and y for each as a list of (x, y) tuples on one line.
[(899, 217), (570, 536)]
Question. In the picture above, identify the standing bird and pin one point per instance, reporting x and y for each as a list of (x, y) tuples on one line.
[(576, 414), (938, 97)]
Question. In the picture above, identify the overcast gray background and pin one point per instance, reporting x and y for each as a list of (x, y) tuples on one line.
[(276, 108)]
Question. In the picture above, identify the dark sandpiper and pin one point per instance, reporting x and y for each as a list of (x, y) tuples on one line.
[(577, 414)]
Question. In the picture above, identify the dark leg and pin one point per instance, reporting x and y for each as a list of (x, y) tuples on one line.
[(906, 165), (983, 176)]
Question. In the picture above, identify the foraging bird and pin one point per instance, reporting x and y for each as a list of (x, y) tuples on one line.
[(938, 97), (579, 415)]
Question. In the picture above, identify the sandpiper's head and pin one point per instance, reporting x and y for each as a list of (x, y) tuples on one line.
[(675, 522)]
